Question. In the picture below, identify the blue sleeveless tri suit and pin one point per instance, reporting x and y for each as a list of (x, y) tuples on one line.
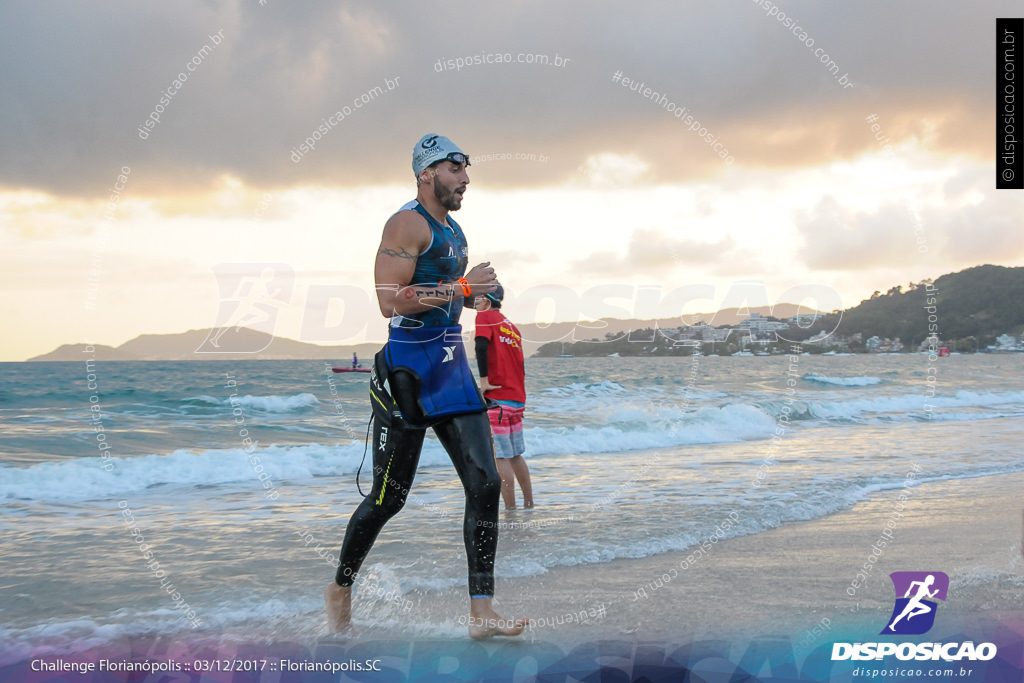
[(445, 260)]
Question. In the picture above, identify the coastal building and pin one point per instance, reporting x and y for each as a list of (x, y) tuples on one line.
[(758, 324), (704, 332), (805, 319), (1007, 343), (878, 345), (825, 339), (713, 334)]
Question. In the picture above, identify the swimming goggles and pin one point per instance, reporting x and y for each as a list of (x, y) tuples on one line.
[(457, 158)]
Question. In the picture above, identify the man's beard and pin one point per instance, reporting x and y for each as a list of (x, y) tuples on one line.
[(447, 198)]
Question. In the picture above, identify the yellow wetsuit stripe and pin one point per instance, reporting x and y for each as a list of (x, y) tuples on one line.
[(379, 401), (384, 487)]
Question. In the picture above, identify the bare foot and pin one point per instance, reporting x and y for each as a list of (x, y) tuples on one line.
[(338, 601), (484, 622)]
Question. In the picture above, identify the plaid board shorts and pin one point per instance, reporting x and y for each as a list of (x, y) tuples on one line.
[(507, 426)]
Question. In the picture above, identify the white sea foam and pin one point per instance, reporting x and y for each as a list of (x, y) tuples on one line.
[(274, 404), (843, 381), (84, 479), (901, 405), (726, 424), (628, 424), (264, 404)]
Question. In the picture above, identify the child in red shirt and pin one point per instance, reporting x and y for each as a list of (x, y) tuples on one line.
[(499, 357)]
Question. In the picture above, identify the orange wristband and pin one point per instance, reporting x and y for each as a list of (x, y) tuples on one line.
[(466, 290)]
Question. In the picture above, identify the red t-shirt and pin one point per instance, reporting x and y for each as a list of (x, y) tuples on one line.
[(504, 356)]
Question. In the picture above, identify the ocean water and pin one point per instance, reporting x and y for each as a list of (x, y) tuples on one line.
[(210, 498)]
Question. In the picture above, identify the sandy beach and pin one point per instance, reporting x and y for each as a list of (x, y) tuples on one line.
[(790, 580)]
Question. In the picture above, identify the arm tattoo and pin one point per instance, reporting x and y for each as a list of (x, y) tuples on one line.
[(399, 253), (439, 292)]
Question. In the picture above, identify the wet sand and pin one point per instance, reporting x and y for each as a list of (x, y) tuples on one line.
[(785, 582)]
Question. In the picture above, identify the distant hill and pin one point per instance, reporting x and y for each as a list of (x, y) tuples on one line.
[(243, 344), (973, 306), (67, 352), (248, 344)]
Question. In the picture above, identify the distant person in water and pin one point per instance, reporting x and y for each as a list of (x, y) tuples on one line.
[(499, 358), (355, 360)]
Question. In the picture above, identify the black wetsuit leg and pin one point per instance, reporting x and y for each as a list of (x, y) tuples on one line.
[(468, 440), (396, 454)]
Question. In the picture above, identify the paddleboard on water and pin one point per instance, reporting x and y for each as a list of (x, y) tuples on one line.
[(351, 369)]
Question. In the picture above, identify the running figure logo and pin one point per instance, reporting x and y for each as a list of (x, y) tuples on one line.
[(914, 613), (251, 294)]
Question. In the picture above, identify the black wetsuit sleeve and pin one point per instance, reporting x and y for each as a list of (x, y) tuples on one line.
[(481, 355)]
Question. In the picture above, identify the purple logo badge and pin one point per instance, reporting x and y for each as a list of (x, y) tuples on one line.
[(917, 594)]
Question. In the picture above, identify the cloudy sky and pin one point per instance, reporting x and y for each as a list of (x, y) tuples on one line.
[(588, 197)]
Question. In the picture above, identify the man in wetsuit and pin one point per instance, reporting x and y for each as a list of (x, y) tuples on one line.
[(421, 279)]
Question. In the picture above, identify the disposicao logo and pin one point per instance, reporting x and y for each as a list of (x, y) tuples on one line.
[(917, 595), (914, 613), (251, 296)]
